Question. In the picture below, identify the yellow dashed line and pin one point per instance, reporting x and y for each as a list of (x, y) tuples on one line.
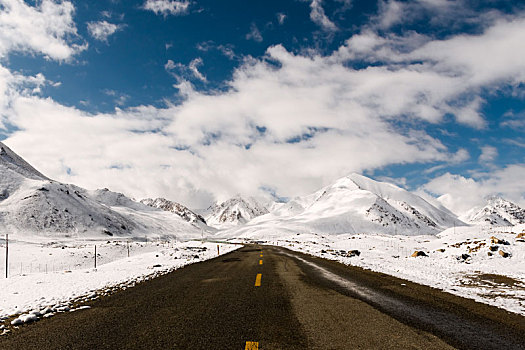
[(258, 280), (252, 345), (260, 262)]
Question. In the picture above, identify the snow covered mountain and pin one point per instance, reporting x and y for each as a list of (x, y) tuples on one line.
[(235, 211), (354, 204), (176, 208), (33, 205), (497, 212)]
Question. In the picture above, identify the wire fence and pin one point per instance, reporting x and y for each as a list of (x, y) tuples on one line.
[(81, 256)]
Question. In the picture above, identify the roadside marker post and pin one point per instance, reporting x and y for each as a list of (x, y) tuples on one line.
[(95, 256), (218, 252)]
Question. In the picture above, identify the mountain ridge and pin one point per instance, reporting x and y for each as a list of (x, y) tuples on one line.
[(497, 211), (234, 211), (354, 204), (31, 204)]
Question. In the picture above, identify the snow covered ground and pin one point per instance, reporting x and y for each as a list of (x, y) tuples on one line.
[(51, 274), (464, 268)]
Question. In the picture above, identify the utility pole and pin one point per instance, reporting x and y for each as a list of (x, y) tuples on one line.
[(6, 254)]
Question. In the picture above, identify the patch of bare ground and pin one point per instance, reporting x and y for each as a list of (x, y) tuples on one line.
[(492, 280)]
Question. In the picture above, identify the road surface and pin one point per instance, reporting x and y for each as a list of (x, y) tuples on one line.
[(262, 297)]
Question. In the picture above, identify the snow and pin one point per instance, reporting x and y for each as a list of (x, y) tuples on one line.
[(233, 212), (34, 205), (354, 204), (48, 276), (186, 214), (54, 228), (493, 280), (497, 211)]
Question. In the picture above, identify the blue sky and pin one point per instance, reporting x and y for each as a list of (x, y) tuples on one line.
[(199, 100)]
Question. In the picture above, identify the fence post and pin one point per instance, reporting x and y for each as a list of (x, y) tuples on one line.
[(6, 254)]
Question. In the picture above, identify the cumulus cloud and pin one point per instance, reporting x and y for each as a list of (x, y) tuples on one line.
[(167, 7), (182, 72), (436, 13), (488, 154), (460, 194), (265, 131), (447, 75), (47, 28), (319, 17), (254, 34), (102, 30), (286, 122), (513, 120), (226, 50)]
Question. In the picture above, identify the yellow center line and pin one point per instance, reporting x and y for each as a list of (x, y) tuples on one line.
[(252, 345), (260, 262), (258, 280)]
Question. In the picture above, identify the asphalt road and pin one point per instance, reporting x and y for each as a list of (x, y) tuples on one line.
[(271, 298)]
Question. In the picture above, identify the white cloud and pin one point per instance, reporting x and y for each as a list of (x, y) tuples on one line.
[(291, 126), (513, 120), (118, 98), (436, 13), (167, 7), (226, 50), (182, 72), (254, 34), (461, 194), (264, 131), (102, 30), (318, 16), (281, 17), (47, 28), (445, 76), (488, 154)]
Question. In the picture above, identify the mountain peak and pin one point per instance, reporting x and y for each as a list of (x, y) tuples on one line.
[(235, 211), (497, 211), (12, 161), (176, 208)]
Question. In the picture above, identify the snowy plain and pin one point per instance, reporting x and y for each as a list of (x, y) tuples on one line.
[(57, 274), (464, 268)]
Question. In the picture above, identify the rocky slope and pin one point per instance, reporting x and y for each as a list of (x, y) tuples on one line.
[(176, 208), (233, 212), (497, 212), (354, 204), (33, 205)]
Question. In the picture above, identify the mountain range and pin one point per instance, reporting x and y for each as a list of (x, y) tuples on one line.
[(354, 204), (234, 212), (32, 204)]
